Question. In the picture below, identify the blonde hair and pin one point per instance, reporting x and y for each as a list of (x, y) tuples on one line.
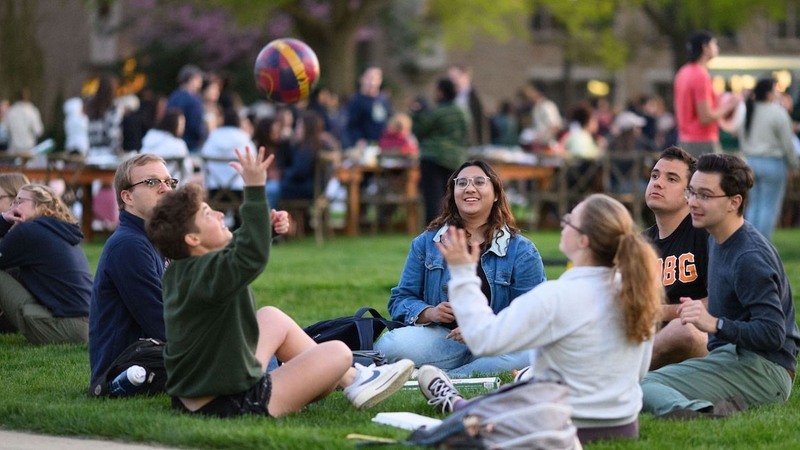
[(399, 122), (49, 204), (12, 181), (615, 241)]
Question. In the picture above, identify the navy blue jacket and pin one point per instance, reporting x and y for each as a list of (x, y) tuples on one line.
[(366, 118), (297, 179), (192, 107), (52, 265), (126, 297)]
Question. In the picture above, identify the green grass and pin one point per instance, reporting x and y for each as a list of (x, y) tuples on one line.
[(42, 388)]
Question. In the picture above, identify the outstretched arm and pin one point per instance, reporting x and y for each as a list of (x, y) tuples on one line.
[(252, 168)]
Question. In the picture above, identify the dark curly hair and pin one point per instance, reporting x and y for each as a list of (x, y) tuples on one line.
[(173, 219), (736, 177), (499, 216)]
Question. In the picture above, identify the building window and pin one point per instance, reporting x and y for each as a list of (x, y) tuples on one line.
[(788, 29), (544, 25)]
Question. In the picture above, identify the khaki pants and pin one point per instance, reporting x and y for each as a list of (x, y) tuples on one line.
[(726, 372), (34, 320)]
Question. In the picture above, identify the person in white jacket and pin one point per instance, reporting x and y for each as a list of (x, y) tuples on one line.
[(165, 140), (24, 124), (76, 127), (219, 175), (593, 327)]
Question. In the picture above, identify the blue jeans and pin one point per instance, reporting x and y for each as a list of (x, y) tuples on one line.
[(273, 193), (726, 372), (766, 196), (429, 345)]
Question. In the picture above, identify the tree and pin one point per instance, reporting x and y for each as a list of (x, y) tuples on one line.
[(21, 57), (329, 27), (589, 37), (676, 20)]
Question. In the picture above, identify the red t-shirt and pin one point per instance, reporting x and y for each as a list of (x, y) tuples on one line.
[(692, 86)]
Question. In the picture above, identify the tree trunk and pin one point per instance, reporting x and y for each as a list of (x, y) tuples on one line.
[(339, 68), (336, 60), (21, 58)]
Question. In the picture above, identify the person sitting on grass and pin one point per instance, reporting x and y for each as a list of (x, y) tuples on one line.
[(593, 326), (46, 296), (218, 345), (9, 186), (510, 265), (750, 318)]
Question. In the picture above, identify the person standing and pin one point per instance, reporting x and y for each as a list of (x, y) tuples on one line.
[(750, 317), (165, 140), (697, 107), (470, 102), (105, 143), (24, 123), (219, 147), (683, 256), (187, 98), (76, 127), (545, 116), (443, 140), (368, 111), (766, 142)]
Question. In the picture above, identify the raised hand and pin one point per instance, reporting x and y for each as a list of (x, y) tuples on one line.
[(252, 168), (455, 248)]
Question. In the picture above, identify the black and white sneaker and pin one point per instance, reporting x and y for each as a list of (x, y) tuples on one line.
[(437, 388)]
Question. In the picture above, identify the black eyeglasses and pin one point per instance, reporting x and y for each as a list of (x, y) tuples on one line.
[(565, 222), (688, 193), (478, 182), (152, 183)]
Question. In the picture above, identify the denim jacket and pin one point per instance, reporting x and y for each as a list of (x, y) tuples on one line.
[(513, 266)]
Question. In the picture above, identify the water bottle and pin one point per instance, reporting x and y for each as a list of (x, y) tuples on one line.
[(129, 381)]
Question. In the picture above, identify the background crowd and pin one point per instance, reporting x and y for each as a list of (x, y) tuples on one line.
[(203, 110)]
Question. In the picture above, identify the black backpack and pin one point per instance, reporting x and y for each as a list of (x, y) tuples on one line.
[(357, 332), (146, 352)]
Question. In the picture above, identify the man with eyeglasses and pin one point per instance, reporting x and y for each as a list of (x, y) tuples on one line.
[(683, 255), (126, 297), (750, 318)]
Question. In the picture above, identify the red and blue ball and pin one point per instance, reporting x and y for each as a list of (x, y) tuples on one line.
[(286, 70)]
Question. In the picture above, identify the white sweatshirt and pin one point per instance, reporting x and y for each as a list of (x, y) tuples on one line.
[(576, 327)]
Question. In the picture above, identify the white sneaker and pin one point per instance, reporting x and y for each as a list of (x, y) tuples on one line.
[(373, 384), (523, 374), (437, 388)]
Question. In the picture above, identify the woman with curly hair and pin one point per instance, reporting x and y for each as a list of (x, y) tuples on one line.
[(45, 281), (510, 265)]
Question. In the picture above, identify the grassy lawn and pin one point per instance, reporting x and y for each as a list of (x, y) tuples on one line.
[(42, 388)]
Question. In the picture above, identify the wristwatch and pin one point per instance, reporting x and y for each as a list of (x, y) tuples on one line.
[(720, 323)]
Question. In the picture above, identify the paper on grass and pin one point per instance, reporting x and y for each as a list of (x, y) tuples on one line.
[(406, 420)]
